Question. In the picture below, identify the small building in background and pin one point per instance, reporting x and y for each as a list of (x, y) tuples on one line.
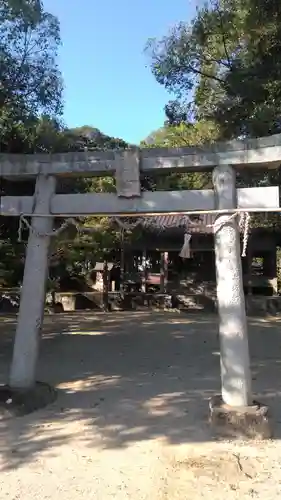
[(152, 261)]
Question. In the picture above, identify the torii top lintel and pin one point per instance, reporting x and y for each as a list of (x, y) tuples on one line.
[(262, 152)]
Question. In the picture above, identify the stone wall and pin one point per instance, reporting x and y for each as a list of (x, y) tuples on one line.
[(256, 305)]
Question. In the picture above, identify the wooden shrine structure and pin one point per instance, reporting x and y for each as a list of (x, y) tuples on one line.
[(224, 200), (153, 260)]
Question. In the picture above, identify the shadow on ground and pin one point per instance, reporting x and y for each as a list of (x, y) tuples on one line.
[(129, 377)]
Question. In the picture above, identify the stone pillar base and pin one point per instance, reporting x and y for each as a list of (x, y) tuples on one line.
[(249, 422)]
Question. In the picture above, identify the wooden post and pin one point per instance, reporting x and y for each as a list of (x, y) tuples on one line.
[(105, 287), (166, 264), (144, 271), (122, 264), (33, 294), (249, 257), (235, 363), (270, 268), (274, 270), (163, 272)]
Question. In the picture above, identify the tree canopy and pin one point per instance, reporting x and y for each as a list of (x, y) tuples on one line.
[(30, 81), (223, 66)]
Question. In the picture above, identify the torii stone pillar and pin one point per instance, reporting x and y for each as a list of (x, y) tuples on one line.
[(33, 294), (234, 350)]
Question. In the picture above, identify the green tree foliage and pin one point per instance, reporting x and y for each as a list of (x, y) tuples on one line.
[(30, 82), (183, 135), (227, 59), (92, 139), (176, 136)]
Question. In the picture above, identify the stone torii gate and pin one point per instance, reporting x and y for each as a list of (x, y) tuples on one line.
[(127, 165)]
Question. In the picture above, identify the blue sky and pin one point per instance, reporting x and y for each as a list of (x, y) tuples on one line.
[(108, 83)]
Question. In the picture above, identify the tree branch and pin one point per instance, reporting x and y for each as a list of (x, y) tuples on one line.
[(223, 34), (206, 75)]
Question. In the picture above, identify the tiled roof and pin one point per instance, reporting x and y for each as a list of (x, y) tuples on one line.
[(198, 224)]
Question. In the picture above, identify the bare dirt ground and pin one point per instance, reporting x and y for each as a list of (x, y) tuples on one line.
[(130, 421)]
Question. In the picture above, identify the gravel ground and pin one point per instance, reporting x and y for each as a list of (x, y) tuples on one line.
[(130, 421)]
